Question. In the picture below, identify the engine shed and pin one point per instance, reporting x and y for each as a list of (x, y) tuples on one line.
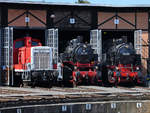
[(63, 22)]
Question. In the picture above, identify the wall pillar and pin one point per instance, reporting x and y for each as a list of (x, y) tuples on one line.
[(94, 19), (50, 19), (4, 17), (148, 62)]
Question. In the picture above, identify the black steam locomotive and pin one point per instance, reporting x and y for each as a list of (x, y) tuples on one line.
[(122, 64), (80, 64), (122, 53)]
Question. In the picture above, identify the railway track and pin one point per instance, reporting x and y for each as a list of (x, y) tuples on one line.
[(15, 96), (26, 91)]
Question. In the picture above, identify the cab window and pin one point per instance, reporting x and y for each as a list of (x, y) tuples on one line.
[(19, 44), (34, 43)]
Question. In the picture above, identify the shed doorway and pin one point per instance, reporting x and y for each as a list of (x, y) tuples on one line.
[(65, 36), (109, 36), (34, 33)]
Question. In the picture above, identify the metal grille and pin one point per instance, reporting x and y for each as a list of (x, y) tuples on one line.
[(52, 41), (96, 42), (42, 58), (7, 52), (138, 41), (8, 47)]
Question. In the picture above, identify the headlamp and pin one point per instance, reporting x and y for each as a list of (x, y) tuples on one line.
[(137, 68)]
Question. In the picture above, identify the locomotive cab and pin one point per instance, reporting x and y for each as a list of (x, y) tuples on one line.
[(22, 44)]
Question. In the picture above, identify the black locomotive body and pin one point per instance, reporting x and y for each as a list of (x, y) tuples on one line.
[(122, 64), (80, 64)]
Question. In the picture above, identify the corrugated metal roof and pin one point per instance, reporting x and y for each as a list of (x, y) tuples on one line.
[(73, 4)]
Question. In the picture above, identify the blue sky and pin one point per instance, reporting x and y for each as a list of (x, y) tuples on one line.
[(113, 2)]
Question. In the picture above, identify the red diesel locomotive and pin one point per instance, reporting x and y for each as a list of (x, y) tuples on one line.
[(32, 62)]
